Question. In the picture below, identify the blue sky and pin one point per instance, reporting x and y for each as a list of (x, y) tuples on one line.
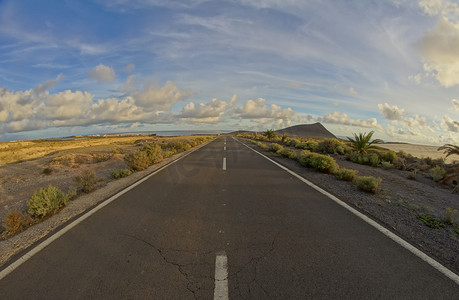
[(70, 67)]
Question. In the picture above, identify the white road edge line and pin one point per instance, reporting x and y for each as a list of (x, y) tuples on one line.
[(224, 163), (61, 232), (221, 276), (438, 266)]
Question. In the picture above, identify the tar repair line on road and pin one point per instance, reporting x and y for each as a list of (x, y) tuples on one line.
[(432, 262)]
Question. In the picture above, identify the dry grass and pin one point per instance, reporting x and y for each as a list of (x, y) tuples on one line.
[(11, 152)]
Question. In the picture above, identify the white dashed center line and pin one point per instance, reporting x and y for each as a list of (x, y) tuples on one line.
[(224, 163), (221, 276)]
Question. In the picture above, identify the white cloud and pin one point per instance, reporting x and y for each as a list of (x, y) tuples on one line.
[(439, 7), (450, 125), (391, 112), (352, 91), (258, 111), (439, 47), (416, 122), (455, 103), (204, 113), (38, 109), (113, 110), (102, 73), (342, 118), (43, 88), (66, 105), (156, 98)]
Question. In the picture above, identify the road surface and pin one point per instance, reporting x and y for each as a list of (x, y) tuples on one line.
[(224, 222)]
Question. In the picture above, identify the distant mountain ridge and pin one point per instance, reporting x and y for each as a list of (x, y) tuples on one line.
[(316, 130)]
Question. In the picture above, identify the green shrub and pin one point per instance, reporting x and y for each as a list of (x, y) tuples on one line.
[(117, 174), (46, 201), (387, 165), (302, 145), (331, 146), (431, 221), (319, 162), (345, 174), (137, 160), (305, 157), (389, 156), (354, 157), (284, 138), (290, 153), (452, 216), (263, 146), (323, 163), (437, 173), (86, 181), (373, 159), (368, 183), (274, 147), (293, 142)]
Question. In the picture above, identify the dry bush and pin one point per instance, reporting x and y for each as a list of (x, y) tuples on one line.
[(13, 222), (452, 216), (137, 160), (86, 181), (47, 171), (101, 157)]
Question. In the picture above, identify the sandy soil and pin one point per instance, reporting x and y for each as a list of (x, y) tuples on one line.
[(421, 151)]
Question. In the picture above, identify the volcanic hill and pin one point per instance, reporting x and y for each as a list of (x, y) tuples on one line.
[(315, 130)]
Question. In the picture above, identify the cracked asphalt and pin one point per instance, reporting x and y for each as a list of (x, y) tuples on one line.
[(283, 240)]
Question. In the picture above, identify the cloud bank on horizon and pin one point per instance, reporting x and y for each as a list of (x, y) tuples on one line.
[(71, 67)]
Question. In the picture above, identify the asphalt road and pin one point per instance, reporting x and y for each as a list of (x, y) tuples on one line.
[(234, 211)]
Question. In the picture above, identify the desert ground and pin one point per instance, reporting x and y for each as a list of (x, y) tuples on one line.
[(421, 151), (27, 166)]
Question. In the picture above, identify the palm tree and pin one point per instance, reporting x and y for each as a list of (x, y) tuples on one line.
[(284, 138), (270, 134), (361, 143), (449, 149)]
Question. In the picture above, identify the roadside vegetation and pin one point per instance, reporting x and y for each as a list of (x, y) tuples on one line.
[(48, 200), (362, 149)]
